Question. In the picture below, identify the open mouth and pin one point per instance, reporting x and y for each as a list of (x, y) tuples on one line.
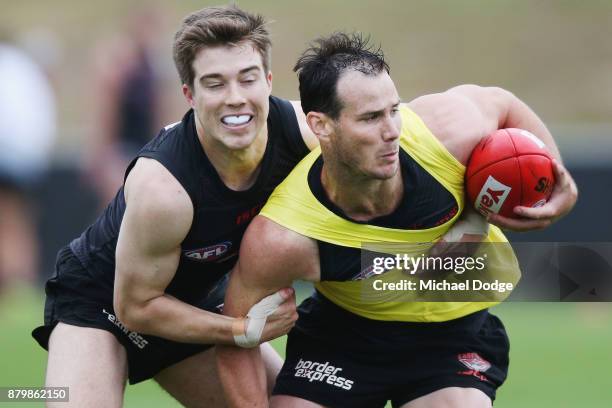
[(236, 121)]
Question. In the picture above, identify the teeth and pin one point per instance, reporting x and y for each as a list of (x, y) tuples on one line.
[(236, 120)]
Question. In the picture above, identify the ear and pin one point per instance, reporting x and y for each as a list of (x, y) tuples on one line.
[(188, 94), (320, 124), (269, 80)]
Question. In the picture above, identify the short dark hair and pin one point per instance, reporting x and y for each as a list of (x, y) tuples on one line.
[(325, 60), (212, 26)]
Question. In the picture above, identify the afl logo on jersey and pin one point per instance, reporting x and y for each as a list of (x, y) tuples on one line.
[(210, 253)]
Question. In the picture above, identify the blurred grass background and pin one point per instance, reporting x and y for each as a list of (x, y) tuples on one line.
[(559, 354), (555, 54)]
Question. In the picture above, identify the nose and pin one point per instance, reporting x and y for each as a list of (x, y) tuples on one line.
[(391, 128), (234, 96)]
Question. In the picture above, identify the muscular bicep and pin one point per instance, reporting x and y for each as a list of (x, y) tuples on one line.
[(157, 218), (498, 108), (461, 116)]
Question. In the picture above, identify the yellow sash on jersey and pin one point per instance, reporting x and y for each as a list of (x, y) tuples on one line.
[(293, 206)]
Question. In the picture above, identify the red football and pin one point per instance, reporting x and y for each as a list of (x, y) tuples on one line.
[(509, 167)]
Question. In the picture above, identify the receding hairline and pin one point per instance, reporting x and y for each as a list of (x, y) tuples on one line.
[(341, 92)]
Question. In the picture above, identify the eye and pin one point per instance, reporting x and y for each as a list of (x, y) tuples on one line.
[(214, 85), (248, 80)]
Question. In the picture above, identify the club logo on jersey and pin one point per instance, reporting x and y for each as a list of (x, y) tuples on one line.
[(491, 196), (322, 372), (210, 253), (476, 364)]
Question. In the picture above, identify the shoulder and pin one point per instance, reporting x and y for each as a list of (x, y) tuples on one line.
[(271, 248), (461, 116), (156, 203), (471, 101)]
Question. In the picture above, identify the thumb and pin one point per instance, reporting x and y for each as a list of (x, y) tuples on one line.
[(285, 294)]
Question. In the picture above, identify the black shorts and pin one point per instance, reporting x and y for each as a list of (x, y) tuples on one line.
[(74, 298), (338, 359)]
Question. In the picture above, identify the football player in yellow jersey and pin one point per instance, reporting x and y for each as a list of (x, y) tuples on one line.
[(385, 172)]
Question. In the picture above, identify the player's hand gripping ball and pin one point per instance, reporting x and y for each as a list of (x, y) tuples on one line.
[(510, 167)]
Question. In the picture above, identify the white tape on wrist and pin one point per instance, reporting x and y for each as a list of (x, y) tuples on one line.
[(470, 223), (256, 320)]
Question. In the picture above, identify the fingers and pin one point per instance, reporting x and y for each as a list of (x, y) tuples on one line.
[(547, 211), (276, 314), (268, 305), (564, 185), (281, 321), (278, 298), (560, 172), (286, 310), (518, 225), (562, 199), (286, 293)]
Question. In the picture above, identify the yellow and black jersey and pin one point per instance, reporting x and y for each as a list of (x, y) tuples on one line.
[(433, 201)]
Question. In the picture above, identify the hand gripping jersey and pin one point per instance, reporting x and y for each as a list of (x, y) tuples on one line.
[(434, 184)]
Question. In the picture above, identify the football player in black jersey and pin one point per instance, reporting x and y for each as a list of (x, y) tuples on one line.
[(138, 294)]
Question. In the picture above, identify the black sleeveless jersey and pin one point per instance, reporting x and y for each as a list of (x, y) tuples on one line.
[(221, 215), (425, 204)]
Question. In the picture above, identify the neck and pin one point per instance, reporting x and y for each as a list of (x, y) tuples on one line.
[(360, 197), (238, 169)]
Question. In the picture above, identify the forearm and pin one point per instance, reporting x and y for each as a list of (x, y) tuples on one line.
[(170, 318), (255, 281), (242, 374), (241, 370)]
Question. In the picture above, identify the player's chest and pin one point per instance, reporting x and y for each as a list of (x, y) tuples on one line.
[(217, 230)]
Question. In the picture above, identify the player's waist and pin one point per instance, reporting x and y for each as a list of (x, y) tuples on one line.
[(322, 318)]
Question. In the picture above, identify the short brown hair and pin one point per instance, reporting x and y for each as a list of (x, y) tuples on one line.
[(213, 26)]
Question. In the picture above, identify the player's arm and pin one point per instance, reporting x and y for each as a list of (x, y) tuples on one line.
[(157, 218), (511, 112), (462, 116), (271, 257), (309, 138), (499, 109)]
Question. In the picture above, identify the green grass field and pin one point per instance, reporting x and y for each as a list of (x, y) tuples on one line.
[(561, 354)]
